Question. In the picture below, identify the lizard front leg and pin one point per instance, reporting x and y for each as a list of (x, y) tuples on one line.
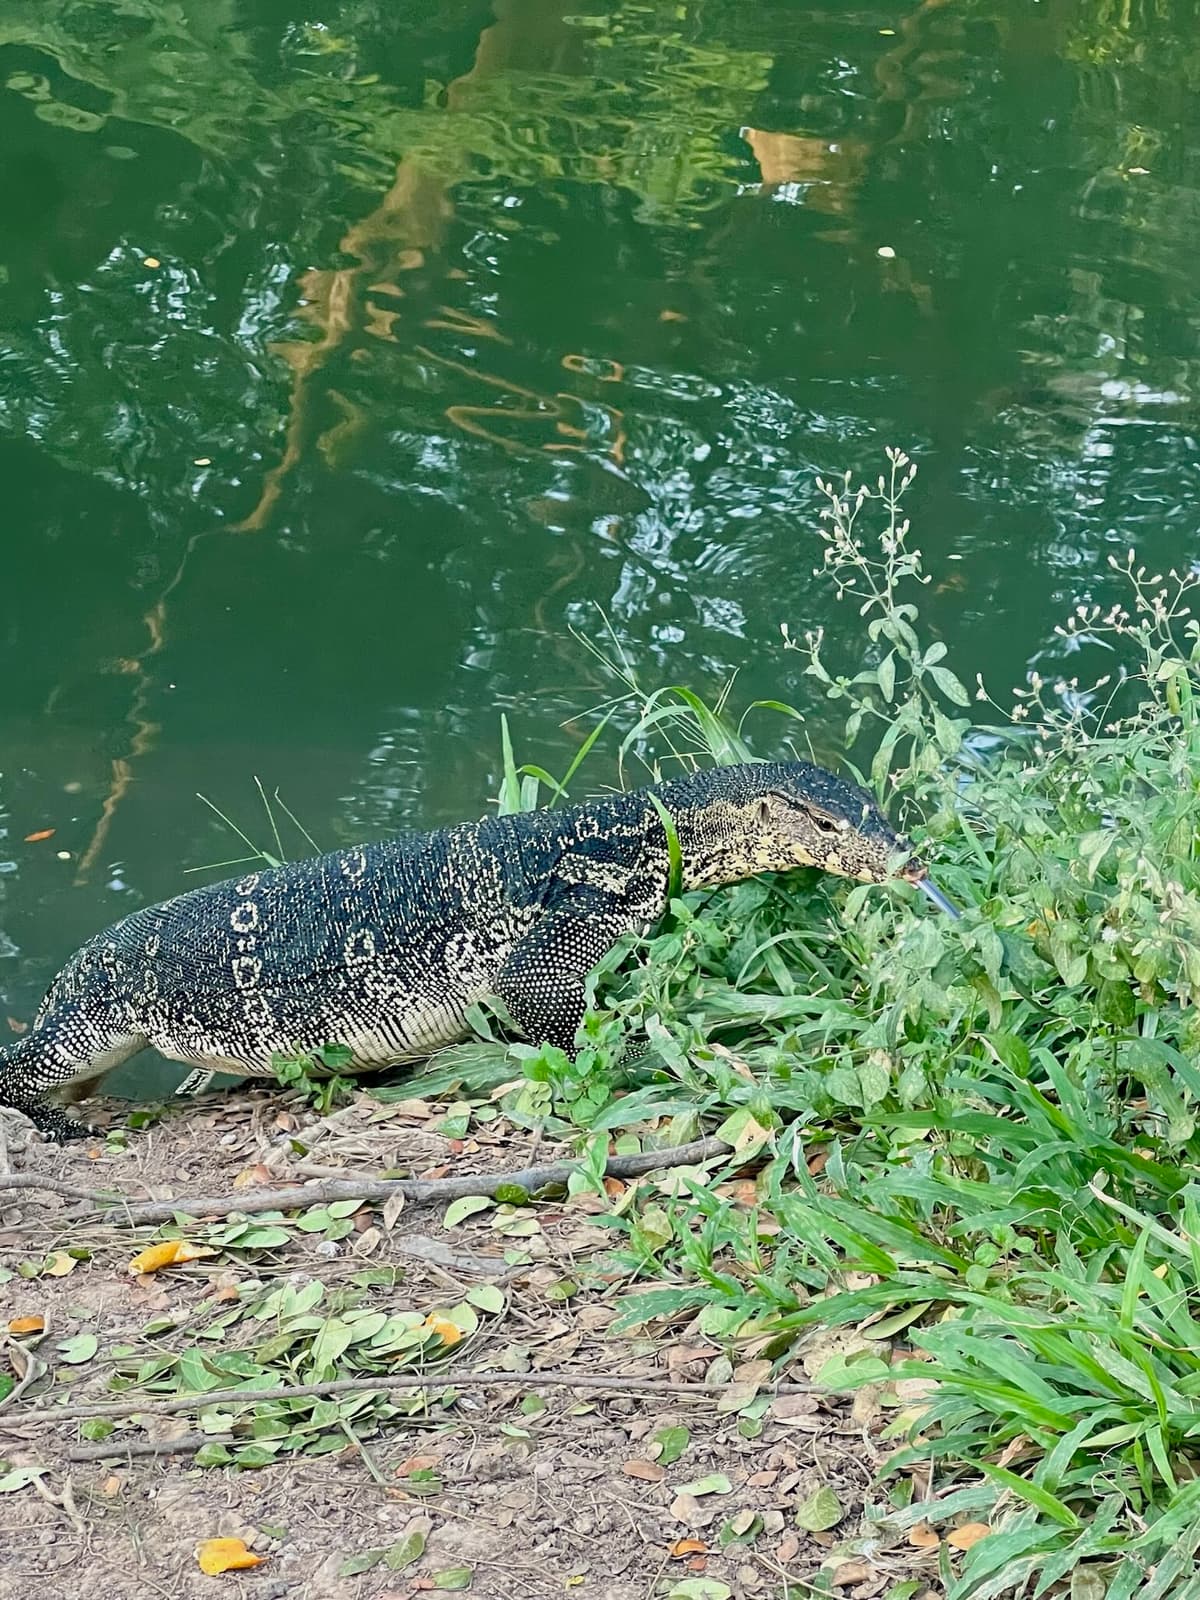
[(543, 982)]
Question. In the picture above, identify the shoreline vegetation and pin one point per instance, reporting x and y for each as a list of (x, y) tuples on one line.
[(977, 1136), (962, 1147)]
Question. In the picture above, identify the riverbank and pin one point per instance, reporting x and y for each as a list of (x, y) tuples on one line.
[(684, 1477)]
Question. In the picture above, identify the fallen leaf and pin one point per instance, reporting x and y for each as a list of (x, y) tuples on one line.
[(787, 1549), (753, 1371), (969, 1534), (647, 1471), (79, 1349), (910, 1389), (714, 1483), (420, 1109), (27, 1325), (225, 1555), (19, 1478), (613, 1187), (151, 261), (417, 1464), (821, 1511), (110, 1487), (452, 1578), (42, 833), (18, 1027), (687, 1547), (669, 1444), (170, 1253), (825, 1344), (850, 1573), (922, 1537), (406, 1550), (683, 1355), (686, 1508), (448, 1332), (788, 1407), (59, 1263), (249, 1177), (700, 1589)]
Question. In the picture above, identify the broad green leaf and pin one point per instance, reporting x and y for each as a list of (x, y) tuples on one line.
[(332, 1342), (488, 1297), (79, 1349), (452, 1578), (405, 1551), (465, 1206), (821, 1511), (672, 1443), (714, 1483)]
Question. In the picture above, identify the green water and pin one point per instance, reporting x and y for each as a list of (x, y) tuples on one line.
[(352, 358)]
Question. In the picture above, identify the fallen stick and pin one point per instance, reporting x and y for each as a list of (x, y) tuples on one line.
[(183, 1446), (449, 1379), (417, 1191), (69, 1191)]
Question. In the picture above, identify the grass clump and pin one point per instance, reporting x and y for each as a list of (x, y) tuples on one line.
[(978, 1137)]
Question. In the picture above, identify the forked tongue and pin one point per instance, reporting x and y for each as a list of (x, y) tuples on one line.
[(943, 902)]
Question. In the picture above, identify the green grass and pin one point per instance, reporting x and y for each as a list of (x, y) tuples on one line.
[(1001, 1111), (976, 1138)]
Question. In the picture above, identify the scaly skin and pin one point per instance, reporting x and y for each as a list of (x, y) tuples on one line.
[(384, 947)]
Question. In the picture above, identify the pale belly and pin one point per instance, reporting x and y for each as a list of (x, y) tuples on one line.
[(383, 1042)]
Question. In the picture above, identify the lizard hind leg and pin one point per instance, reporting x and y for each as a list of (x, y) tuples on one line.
[(63, 1057)]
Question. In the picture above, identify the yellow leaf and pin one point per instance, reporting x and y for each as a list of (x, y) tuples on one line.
[(42, 833), (969, 1534), (448, 1332), (922, 1537), (59, 1263), (687, 1547), (225, 1555), (169, 1253), (249, 1177), (27, 1325)]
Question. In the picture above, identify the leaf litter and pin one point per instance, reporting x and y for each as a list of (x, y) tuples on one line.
[(390, 1493)]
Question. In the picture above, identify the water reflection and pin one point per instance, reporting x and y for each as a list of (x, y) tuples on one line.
[(356, 361)]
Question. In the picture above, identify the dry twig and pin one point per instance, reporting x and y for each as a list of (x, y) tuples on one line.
[(450, 1378), (416, 1191), (184, 1445)]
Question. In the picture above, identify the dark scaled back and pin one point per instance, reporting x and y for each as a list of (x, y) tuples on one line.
[(386, 947)]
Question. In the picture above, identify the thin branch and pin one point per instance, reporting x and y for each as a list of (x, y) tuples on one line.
[(184, 1445), (69, 1191), (450, 1378), (417, 1191)]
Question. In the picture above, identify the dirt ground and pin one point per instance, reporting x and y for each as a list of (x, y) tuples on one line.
[(516, 1501)]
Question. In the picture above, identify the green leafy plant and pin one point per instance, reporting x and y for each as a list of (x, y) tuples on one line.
[(316, 1075), (980, 1132)]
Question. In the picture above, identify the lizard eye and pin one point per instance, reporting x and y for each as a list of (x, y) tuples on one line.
[(824, 824)]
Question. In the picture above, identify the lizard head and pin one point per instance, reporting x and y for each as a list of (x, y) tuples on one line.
[(772, 816)]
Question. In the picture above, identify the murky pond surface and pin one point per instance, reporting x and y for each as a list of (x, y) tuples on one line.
[(353, 361)]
